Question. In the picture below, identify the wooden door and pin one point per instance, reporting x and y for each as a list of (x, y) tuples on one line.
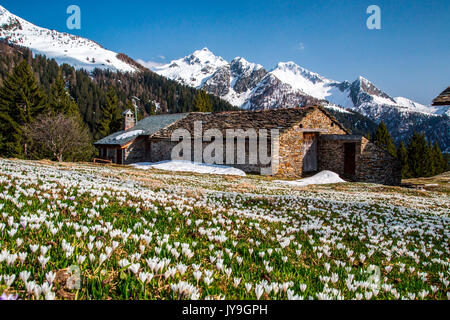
[(310, 152), (350, 159), (119, 159)]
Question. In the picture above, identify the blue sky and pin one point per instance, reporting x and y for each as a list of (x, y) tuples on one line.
[(408, 57)]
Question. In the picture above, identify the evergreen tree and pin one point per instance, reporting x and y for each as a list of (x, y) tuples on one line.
[(418, 161), (402, 155), (437, 160), (60, 101), (203, 102), (446, 162), (110, 121), (384, 140), (21, 100)]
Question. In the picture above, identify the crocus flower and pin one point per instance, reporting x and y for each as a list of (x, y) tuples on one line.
[(5, 296)]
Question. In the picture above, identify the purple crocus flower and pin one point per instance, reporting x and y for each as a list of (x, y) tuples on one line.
[(8, 297)]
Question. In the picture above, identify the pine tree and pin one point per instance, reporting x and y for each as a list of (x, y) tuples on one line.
[(384, 140), (402, 155), (446, 162), (60, 100), (21, 100), (110, 120), (437, 160), (203, 102), (418, 161)]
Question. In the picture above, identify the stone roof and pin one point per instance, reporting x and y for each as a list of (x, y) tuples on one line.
[(145, 127), (281, 119), (443, 99), (162, 126)]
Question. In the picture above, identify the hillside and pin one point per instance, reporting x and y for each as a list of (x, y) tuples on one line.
[(89, 89), (79, 52)]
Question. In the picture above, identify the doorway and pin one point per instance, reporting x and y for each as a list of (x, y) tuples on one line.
[(350, 159), (310, 152), (119, 156)]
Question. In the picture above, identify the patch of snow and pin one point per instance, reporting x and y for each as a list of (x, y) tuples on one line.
[(187, 166), (301, 79), (246, 67), (340, 98), (337, 108), (130, 134), (324, 177), (417, 107)]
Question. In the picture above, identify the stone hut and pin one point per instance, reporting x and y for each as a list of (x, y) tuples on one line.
[(132, 144), (443, 99), (308, 140)]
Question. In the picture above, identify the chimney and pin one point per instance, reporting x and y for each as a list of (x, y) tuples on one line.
[(129, 120)]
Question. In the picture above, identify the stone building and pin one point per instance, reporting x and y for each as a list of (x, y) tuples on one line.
[(309, 140), (443, 99)]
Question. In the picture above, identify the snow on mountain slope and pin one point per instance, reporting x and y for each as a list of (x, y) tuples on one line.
[(301, 79), (235, 82), (414, 106), (250, 86), (63, 47), (194, 69)]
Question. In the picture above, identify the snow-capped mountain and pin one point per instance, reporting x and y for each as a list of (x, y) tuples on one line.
[(250, 86), (194, 69), (64, 48), (243, 84)]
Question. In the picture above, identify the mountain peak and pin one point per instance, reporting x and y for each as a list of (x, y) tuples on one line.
[(290, 65), (64, 48), (203, 52), (363, 80), (204, 57), (244, 65)]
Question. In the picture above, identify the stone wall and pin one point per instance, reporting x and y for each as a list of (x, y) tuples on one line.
[(292, 150), (373, 164), (377, 166), (138, 151), (161, 150), (332, 153)]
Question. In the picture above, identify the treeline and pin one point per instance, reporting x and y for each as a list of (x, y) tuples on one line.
[(419, 157), (35, 125), (92, 91), (356, 122)]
